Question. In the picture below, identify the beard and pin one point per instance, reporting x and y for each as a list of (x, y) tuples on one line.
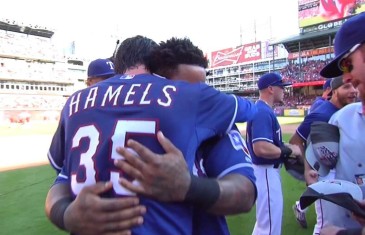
[(342, 100)]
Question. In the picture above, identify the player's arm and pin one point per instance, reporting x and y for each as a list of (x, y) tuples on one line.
[(266, 149), (298, 141), (263, 136), (56, 150), (218, 111), (237, 195), (310, 175), (91, 214), (166, 178), (228, 160), (301, 135)]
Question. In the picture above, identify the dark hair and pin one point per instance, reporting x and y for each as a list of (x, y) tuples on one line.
[(132, 52), (111, 58), (165, 59)]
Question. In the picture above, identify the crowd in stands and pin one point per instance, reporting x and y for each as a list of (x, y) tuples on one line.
[(297, 100), (291, 101), (15, 69), (28, 46), (305, 72), (31, 102), (31, 58)]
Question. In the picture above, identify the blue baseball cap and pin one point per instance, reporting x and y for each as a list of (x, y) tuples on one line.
[(99, 68), (348, 38), (327, 84), (271, 79)]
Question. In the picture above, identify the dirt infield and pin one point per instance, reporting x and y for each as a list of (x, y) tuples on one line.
[(23, 151)]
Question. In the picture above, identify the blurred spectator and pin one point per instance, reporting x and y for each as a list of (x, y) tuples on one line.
[(306, 72), (31, 102)]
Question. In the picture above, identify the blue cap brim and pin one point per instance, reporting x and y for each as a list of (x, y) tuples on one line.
[(284, 84), (99, 75), (332, 70)]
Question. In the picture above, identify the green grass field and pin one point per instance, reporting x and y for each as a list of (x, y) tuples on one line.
[(22, 195), (282, 121)]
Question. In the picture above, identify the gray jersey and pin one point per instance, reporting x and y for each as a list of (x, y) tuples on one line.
[(351, 162)]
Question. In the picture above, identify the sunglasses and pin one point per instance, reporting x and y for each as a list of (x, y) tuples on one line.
[(345, 64)]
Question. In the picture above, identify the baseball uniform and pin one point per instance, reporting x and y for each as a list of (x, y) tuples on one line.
[(217, 158), (96, 120), (269, 204)]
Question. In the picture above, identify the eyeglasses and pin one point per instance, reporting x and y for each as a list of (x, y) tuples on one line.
[(344, 64)]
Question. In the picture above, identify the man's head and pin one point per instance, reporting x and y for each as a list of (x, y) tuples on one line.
[(132, 53), (342, 93), (178, 59), (98, 70), (349, 51), (272, 85)]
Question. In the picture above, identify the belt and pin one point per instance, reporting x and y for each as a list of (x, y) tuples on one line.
[(277, 165)]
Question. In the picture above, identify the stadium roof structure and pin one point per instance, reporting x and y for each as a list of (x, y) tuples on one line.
[(30, 30), (308, 41)]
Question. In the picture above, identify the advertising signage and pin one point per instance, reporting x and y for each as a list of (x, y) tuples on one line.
[(241, 54), (315, 12), (310, 53)]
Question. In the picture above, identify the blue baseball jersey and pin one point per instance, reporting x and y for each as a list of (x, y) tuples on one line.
[(96, 120), (323, 113), (317, 102), (216, 158), (264, 127)]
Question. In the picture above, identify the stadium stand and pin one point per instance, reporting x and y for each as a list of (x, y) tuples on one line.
[(303, 57), (35, 76)]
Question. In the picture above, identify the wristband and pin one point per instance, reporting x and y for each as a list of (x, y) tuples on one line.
[(203, 192), (58, 211), (352, 231), (285, 151)]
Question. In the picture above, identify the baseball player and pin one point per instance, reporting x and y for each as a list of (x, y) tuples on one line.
[(264, 141), (99, 70), (325, 95), (179, 59), (350, 62), (342, 94), (85, 115)]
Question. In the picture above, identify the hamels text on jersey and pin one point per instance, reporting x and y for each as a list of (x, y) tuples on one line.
[(135, 94), (98, 119)]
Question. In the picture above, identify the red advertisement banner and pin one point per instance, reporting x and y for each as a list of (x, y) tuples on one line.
[(309, 53), (230, 56), (313, 83)]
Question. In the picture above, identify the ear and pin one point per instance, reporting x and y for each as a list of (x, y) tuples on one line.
[(271, 89), (88, 82)]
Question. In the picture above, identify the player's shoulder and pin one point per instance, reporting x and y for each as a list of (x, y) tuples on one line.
[(323, 110), (262, 105), (264, 109), (349, 110)]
